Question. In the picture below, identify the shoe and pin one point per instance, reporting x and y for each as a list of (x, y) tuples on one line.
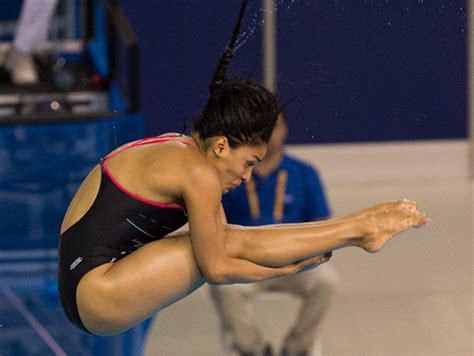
[(284, 352), (267, 351), (5, 48), (21, 67)]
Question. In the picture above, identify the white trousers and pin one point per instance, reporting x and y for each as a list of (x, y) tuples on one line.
[(32, 28), (238, 317)]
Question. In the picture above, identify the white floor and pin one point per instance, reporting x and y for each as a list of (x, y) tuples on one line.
[(415, 297)]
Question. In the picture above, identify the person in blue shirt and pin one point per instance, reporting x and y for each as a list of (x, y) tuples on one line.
[(282, 190)]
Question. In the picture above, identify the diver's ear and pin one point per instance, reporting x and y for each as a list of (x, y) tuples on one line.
[(220, 146)]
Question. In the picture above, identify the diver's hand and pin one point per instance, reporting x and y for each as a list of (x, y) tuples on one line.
[(313, 262)]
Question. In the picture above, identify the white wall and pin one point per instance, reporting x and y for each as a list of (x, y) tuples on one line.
[(366, 163)]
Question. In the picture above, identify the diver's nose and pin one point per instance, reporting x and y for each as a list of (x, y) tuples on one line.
[(247, 175)]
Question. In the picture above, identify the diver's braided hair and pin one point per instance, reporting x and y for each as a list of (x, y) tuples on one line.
[(224, 61), (243, 111)]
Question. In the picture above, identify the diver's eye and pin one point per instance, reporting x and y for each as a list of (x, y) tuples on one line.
[(250, 163)]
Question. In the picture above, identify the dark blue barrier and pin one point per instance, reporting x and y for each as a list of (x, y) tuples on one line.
[(41, 168)]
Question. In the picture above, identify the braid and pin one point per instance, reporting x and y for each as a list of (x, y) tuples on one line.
[(244, 112), (219, 75)]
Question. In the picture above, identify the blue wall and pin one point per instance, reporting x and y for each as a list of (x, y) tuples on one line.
[(370, 70), (42, 167)]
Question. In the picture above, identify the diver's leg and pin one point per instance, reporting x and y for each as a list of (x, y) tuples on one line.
[(115, 296)]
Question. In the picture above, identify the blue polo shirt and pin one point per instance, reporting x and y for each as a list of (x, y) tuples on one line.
[(304, 198)]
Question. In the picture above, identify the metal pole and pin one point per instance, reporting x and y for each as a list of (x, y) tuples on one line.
[(470, 79), (71, 19), (269, 65)]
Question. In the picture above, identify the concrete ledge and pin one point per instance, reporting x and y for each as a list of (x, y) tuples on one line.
[(388, 162)]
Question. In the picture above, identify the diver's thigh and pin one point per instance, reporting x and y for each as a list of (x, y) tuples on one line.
[(116, 296)]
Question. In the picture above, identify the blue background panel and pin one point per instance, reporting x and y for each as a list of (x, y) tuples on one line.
[(42, 166), (367, 70)]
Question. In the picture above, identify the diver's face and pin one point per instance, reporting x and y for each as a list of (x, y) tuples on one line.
[(235, 165)]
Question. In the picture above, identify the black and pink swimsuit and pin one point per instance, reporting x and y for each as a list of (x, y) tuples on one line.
[(117, 223)]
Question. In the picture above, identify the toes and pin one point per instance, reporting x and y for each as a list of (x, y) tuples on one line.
[(423, 218), (420, 219), (409, 205)]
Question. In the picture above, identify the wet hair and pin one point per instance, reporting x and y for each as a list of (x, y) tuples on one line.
[(243, 111)]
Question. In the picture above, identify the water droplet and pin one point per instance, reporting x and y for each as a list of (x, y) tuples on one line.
[(115, 135)]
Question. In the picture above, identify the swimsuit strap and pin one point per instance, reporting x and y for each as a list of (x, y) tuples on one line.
[(157, 139), (144, 141)]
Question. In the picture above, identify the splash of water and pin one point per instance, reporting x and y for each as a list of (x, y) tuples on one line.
[(257, 20), (246, 34)]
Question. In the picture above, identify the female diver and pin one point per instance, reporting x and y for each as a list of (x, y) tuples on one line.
[(119, 260)]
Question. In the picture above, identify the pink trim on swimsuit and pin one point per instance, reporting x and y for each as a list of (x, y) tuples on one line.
[(157, 139)]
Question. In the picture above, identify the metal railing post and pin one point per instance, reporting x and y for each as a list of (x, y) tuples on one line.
[(269, 55)]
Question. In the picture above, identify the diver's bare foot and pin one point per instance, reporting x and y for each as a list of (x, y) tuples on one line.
[(389, 219), (390, 205)]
